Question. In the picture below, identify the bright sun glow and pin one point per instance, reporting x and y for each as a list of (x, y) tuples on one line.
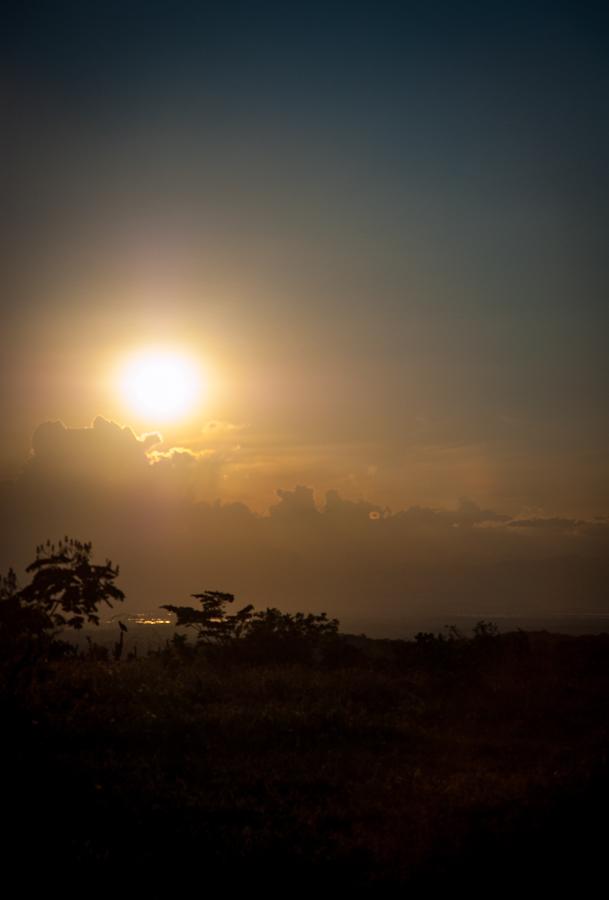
[(161, 385)]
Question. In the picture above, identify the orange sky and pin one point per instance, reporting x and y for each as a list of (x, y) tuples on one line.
[(382, 237)]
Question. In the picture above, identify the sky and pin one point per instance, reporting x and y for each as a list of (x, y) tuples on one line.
[(378, 229)]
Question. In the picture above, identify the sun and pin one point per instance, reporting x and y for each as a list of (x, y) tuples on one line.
[(161, 385)]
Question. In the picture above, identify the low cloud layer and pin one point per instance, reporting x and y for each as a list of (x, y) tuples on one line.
[(156, 512), (105, 452)]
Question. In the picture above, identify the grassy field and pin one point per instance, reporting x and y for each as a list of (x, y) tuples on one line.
[(392, 764)]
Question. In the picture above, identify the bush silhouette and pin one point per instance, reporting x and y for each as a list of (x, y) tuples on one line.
[(275, 636), (265, 636)]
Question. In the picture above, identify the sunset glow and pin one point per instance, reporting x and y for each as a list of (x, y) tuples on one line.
[(161, 385), (304, 446)]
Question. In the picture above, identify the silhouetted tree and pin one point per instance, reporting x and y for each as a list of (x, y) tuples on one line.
[(484, 630), (67, 587), (66, 590), (211, 623)]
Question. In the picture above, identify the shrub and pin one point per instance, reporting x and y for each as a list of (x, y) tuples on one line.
[(274, 636), (265, 636)]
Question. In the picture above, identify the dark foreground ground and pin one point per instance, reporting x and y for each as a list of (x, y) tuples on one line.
[(470, 764)]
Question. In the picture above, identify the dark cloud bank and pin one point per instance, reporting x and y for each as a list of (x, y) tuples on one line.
[(353, 559)]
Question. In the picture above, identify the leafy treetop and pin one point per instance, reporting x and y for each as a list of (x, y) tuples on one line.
[(211, 623), (66, 587)]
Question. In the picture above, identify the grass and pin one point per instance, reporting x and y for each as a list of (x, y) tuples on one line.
[(410, 766)]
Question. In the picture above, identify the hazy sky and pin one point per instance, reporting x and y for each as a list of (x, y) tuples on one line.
[(380, 228)]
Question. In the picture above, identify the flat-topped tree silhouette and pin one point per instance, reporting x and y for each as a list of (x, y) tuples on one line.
[(211, 623)]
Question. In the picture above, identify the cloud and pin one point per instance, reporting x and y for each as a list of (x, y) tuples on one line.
[(103, 452), (299, 503), (106, 454), (198, 473), (337, 507), (156, 511), (466, 515), (554, 523), (218, 428), (177, 457)]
